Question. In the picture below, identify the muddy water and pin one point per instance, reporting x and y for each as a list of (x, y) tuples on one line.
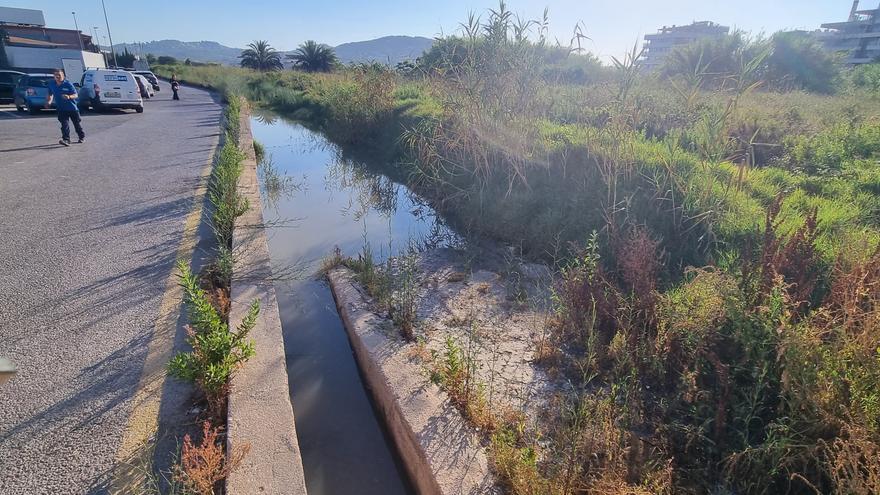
[(315, 200)]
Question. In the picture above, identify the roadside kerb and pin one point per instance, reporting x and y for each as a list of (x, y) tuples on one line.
[(440, 452), (260, 411)]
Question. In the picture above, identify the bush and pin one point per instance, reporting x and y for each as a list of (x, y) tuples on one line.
[(216, 352), (798, 62), (834, 148), (227, 203), (867, 77), (203, 466)]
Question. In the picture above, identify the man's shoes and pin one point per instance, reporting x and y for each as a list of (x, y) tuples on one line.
[(81, 140), (62, 142)]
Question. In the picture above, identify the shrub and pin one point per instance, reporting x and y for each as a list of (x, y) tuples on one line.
[(203, 466), (227, 203), (798, 62), (216, 352), (867, 76), (835, 148)]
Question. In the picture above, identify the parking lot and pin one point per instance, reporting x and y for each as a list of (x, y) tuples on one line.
[(87, 241), (21, 133)]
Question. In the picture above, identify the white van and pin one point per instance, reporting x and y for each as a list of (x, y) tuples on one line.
[(109, 88)]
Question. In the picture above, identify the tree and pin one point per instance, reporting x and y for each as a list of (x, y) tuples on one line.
[(260, 56), (166, 60), (125, 59), (314, 57), (713, 60), (151, 59), (798, 62), (867, 76), (4, 37)]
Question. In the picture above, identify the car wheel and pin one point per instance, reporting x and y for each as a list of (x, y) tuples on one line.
[(33, 111), (18, 108), (139, 109), (83, 106)]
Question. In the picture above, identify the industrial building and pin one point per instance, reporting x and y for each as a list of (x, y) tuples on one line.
[(858, 36), (659, 45), (30, 46)]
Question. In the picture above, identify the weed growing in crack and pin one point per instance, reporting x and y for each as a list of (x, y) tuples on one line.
[(216, 352), (226, 202), (455, 372), (204, 465), (393, 285), (402, 307)]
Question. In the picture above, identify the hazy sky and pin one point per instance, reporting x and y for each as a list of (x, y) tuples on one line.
[(613, 26)]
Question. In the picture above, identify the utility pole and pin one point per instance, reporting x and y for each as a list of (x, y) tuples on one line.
[(97, 42), (112, 51), (78, 33)]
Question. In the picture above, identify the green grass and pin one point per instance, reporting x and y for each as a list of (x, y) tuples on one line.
[(709, 380)]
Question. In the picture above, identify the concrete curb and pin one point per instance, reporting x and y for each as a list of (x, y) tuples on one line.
[(441, 453), (260, 412)]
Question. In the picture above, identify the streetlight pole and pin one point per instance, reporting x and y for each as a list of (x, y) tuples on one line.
[(78, 33), (112, 51), (97, 42)]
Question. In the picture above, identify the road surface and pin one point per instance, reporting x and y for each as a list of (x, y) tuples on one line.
[(88, 238)]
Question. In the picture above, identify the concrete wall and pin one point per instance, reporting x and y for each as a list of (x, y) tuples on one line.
[(441, 453), (49, 58), (260, 412)]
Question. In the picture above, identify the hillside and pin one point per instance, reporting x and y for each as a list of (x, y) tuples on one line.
[(201, 51), (388, 49)]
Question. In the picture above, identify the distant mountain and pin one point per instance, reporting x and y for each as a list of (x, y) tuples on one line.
[(387, 50), (199, 51)]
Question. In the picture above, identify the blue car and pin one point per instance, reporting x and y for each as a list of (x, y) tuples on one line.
[(32, 92)]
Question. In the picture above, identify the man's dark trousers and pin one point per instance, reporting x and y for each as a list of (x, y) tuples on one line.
[(73, 115)]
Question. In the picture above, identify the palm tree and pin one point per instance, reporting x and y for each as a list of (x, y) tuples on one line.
[(314, 57), (260, 56)]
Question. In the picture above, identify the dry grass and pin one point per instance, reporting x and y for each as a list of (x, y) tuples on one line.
[(205, 465)]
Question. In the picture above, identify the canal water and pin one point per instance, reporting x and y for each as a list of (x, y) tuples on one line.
[(316, 200)]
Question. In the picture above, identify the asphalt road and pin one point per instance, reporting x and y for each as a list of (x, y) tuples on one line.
[(88, 237)]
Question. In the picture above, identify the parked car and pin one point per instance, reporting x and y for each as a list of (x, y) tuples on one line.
[(8, 80), (145, 87), (109, 88), (150, 77), (32, 92)]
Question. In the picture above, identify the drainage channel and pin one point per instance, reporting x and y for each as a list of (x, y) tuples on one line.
[(315, 200)]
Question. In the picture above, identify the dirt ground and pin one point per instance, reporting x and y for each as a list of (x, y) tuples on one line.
[(496, 311)]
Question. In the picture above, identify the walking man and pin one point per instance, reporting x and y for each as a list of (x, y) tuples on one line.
[(63, 93), (175, 86)]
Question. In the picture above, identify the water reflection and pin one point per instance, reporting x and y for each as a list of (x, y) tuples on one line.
[(370, 191), (337, 201), (276, 185)]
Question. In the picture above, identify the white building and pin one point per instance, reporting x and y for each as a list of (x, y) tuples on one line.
[(659, 45), (858, 36), (33, 47)]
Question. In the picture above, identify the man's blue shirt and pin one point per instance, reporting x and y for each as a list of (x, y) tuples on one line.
[(65, 88)]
